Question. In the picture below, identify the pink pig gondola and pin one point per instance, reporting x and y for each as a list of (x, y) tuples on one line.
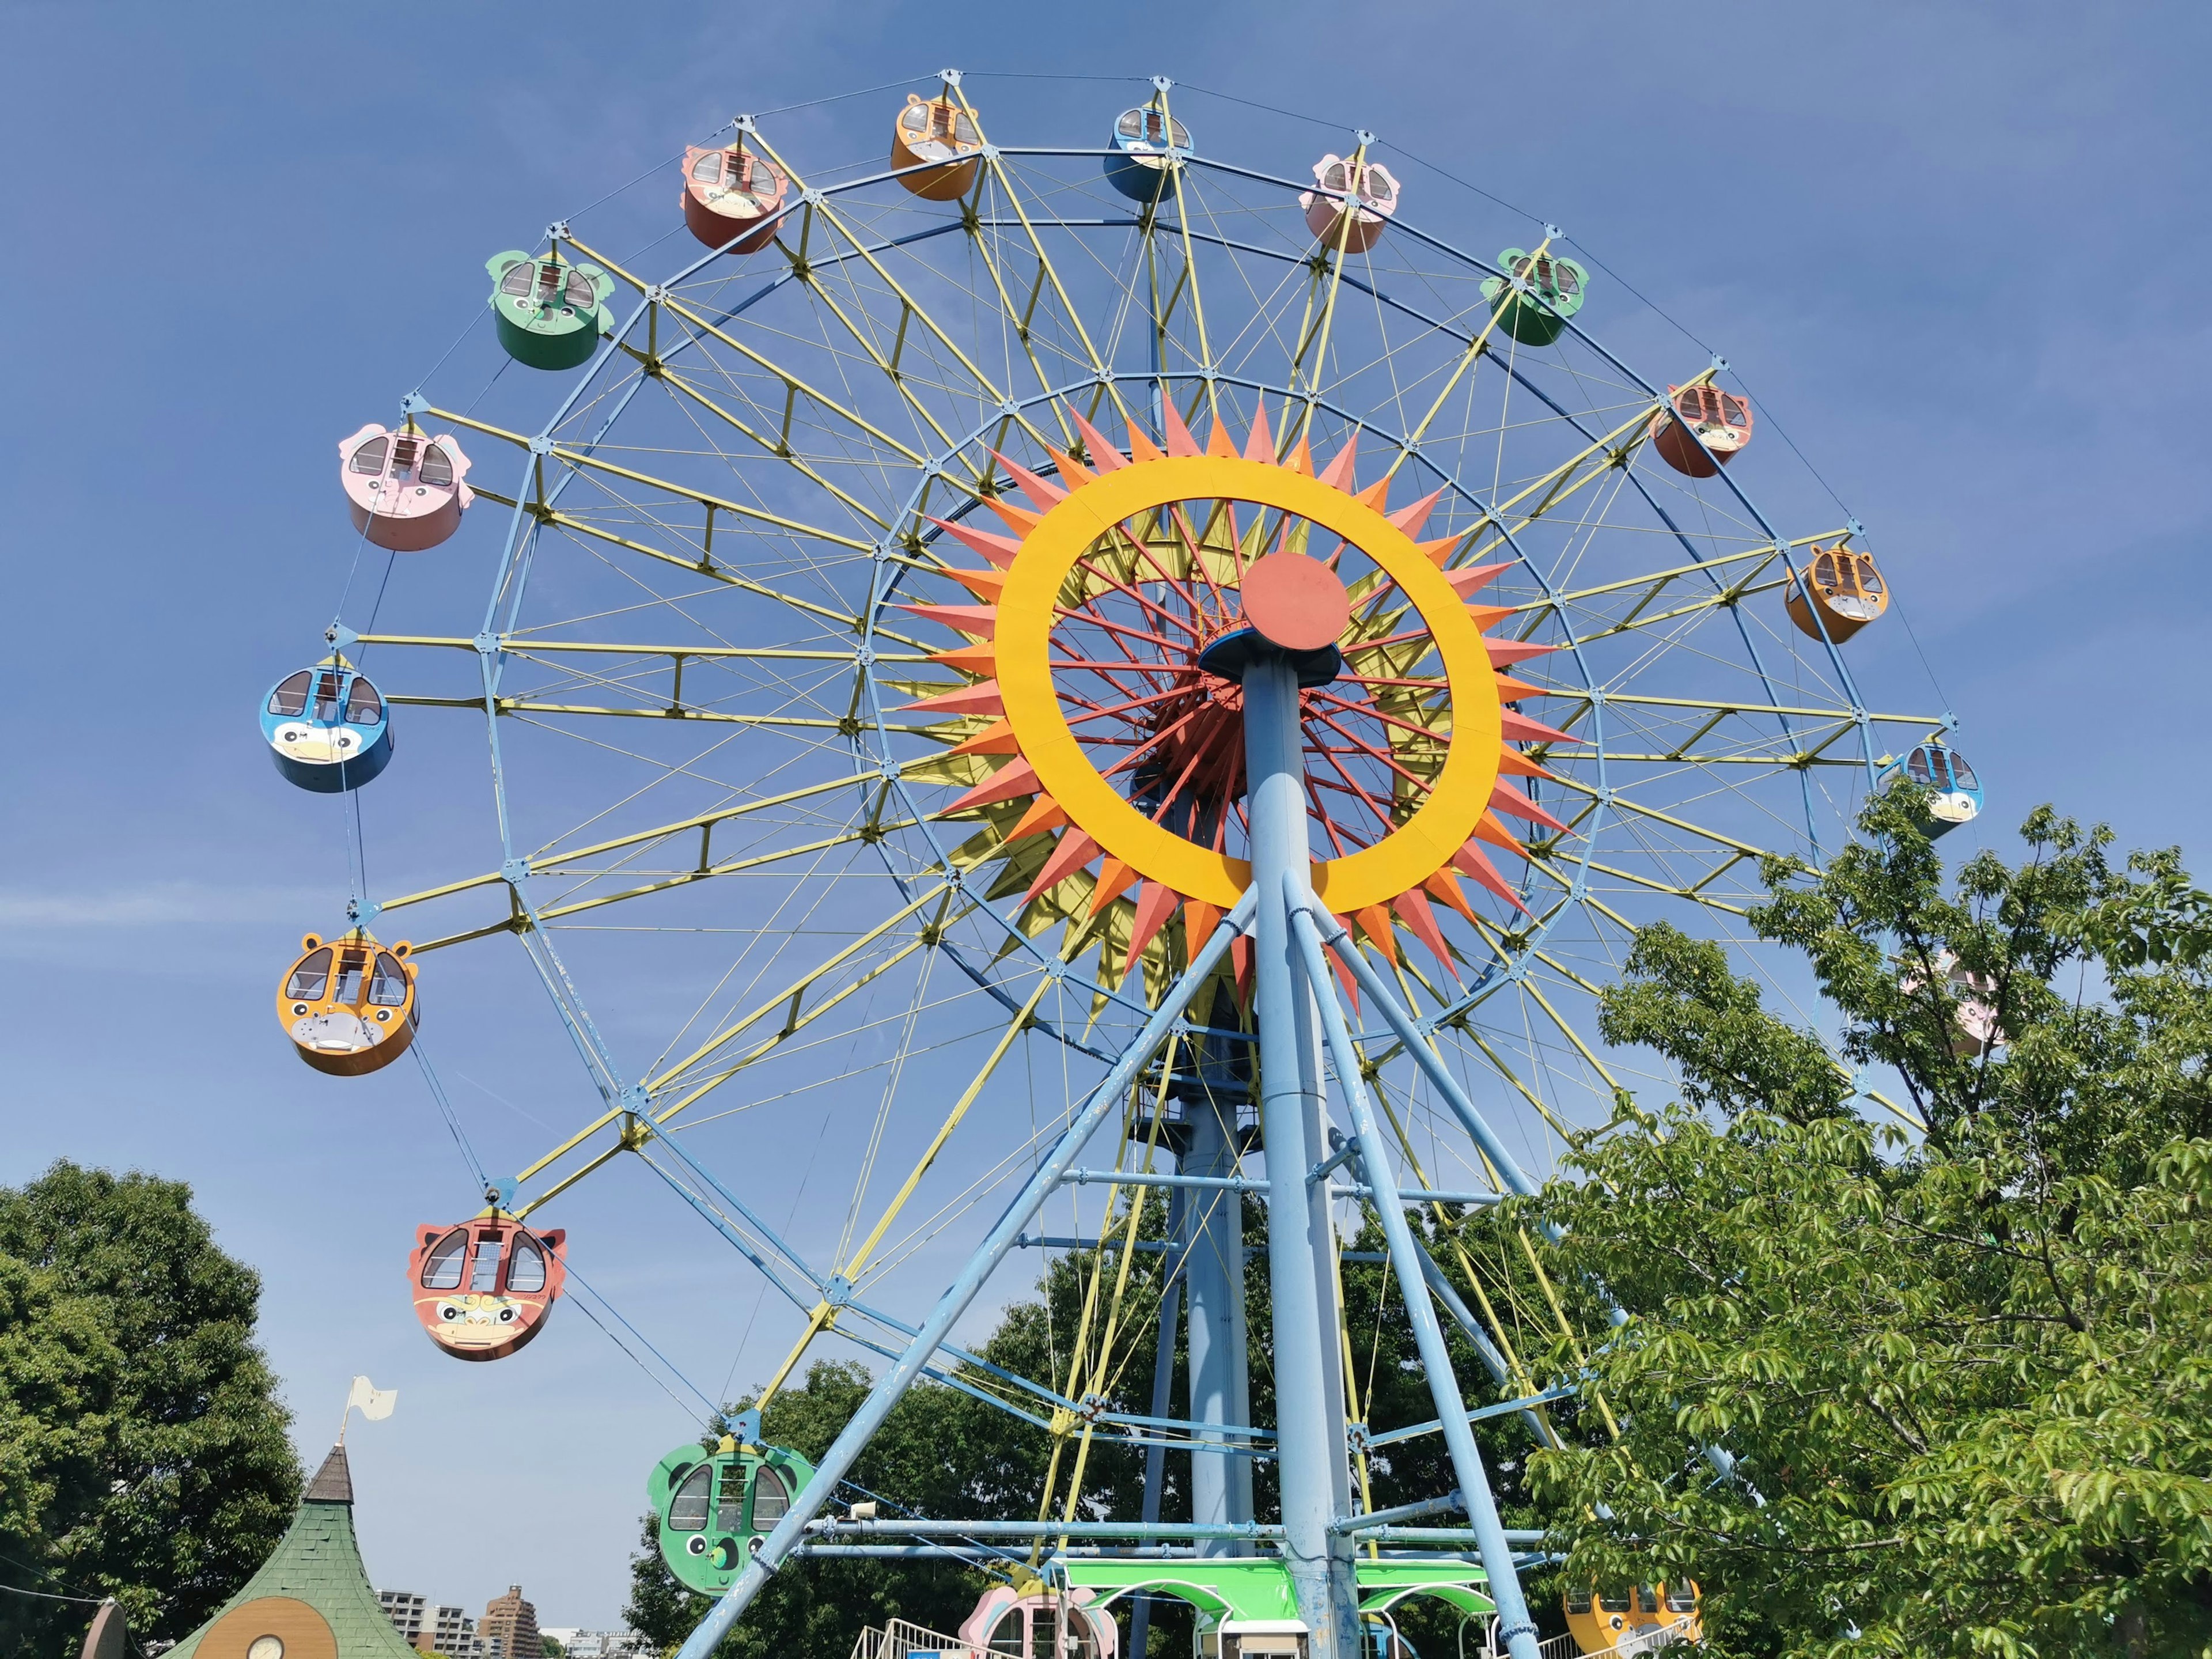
[(406, 489)]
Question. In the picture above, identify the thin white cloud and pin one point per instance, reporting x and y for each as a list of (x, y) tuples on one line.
[(154, 904)]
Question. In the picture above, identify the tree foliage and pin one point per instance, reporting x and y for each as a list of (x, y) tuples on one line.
[(1963, 1368), (143, 1452)]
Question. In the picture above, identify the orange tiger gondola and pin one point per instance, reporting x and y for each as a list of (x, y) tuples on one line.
[(348, 1004), (1843, 587)]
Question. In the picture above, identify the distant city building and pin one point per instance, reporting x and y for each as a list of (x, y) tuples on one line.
[(451, 1632), (406, 1609), (512, 1623), (600, 1644)]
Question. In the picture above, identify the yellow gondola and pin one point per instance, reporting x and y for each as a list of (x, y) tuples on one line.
[(1845, 589), (936, 129), (1634, 1620), (348, 1004)]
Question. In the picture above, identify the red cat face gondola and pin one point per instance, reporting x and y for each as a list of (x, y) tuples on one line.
[(484, 1289)]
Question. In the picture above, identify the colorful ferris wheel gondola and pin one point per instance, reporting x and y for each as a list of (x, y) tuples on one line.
[(1843, 587), (1351, 202), (483, 1288), (935, 142), (1537, 295), (348, 1004), (715, 1506), (327, 727), (1703, 426), (1955, 792), (1146, 146), (1640, 1619), (732, 196), (407, 490), (549, 313)]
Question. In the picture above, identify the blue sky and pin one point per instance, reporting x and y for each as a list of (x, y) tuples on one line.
[(1955, 252)]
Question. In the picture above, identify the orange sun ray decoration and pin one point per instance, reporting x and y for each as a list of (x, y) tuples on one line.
[(1100, 743)]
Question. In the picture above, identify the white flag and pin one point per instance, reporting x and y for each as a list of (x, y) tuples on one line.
[(372, 1402)]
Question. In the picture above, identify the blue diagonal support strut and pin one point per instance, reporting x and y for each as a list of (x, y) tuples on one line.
[(1514, 1622), (1103, 1100)]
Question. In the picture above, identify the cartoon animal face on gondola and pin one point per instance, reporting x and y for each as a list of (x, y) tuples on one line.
[(1352, 204), (1537, 295), (1010, 1623), (405, 489), (348, 1004), (549, 313), (936, 129), (1144, 150), (1846, 592), (1720, 419), (1955, 796), (716, 1507), (483, 1288), (327, 729), (732, 193), (1635, 1621)]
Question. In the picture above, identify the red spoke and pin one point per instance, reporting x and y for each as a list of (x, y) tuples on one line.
[(1143, 601), (1370, 751)]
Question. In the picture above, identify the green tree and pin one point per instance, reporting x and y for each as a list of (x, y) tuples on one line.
[(1962, 1367), (142, 1453)]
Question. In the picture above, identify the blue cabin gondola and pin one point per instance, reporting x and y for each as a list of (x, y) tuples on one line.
[(1148, 144), (714, 1508), (1955, 796), (327, 729)]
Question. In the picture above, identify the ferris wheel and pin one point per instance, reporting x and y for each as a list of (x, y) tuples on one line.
[(1079, 650)]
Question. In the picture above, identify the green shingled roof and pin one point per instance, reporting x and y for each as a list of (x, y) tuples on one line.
[(319, 1562)]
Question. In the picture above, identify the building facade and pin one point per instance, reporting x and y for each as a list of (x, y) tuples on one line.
[(512, 1623)]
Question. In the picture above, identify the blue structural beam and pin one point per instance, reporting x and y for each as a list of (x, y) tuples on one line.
[(1515, 1624), (890, 1388)]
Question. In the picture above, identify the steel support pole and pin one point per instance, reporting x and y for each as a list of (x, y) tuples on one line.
[(1156, 1455), (1103, 1101), (1220, 1482), (1313, 1463), (1514, 1622)]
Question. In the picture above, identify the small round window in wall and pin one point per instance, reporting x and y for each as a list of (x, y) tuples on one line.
[(265, 1647)]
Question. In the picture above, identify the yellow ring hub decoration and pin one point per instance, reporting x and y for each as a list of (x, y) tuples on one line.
[(1028, 608)]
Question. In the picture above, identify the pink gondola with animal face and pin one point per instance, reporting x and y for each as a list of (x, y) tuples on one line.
[(1720, 418), (483, 1289), (1363, 192), (407, 490), (732, 192)]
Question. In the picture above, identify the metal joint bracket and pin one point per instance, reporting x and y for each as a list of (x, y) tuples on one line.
[(361, 912), (1357, 1439), (541, 445), (557, 231), (513, 872), (743, 124), (837, 1291), (413, 404), (1719, 362)]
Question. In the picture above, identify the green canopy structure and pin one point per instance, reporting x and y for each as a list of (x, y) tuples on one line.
[(312, 1598)]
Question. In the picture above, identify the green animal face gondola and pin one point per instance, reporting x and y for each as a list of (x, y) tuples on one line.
[(1537, 313), (715, 1507), (550, 312)]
